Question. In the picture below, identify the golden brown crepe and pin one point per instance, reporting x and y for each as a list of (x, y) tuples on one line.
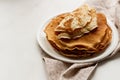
[(86, 46)]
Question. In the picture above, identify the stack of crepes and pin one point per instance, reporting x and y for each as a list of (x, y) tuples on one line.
[(82, 33)]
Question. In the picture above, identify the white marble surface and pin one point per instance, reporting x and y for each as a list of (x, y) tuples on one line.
[(20, 56)]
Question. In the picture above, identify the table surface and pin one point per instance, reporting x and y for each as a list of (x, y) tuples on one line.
[(20, 55)]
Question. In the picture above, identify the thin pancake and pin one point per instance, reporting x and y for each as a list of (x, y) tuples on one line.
[(87, 45)]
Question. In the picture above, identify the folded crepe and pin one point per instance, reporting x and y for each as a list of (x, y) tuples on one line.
[(72, 42)]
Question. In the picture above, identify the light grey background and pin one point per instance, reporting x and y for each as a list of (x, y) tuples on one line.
[(20, 55)]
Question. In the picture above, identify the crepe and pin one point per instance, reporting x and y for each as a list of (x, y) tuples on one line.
[(89, 45), (77, 23)]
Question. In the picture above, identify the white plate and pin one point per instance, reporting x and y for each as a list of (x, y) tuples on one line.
[(44, 44)]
